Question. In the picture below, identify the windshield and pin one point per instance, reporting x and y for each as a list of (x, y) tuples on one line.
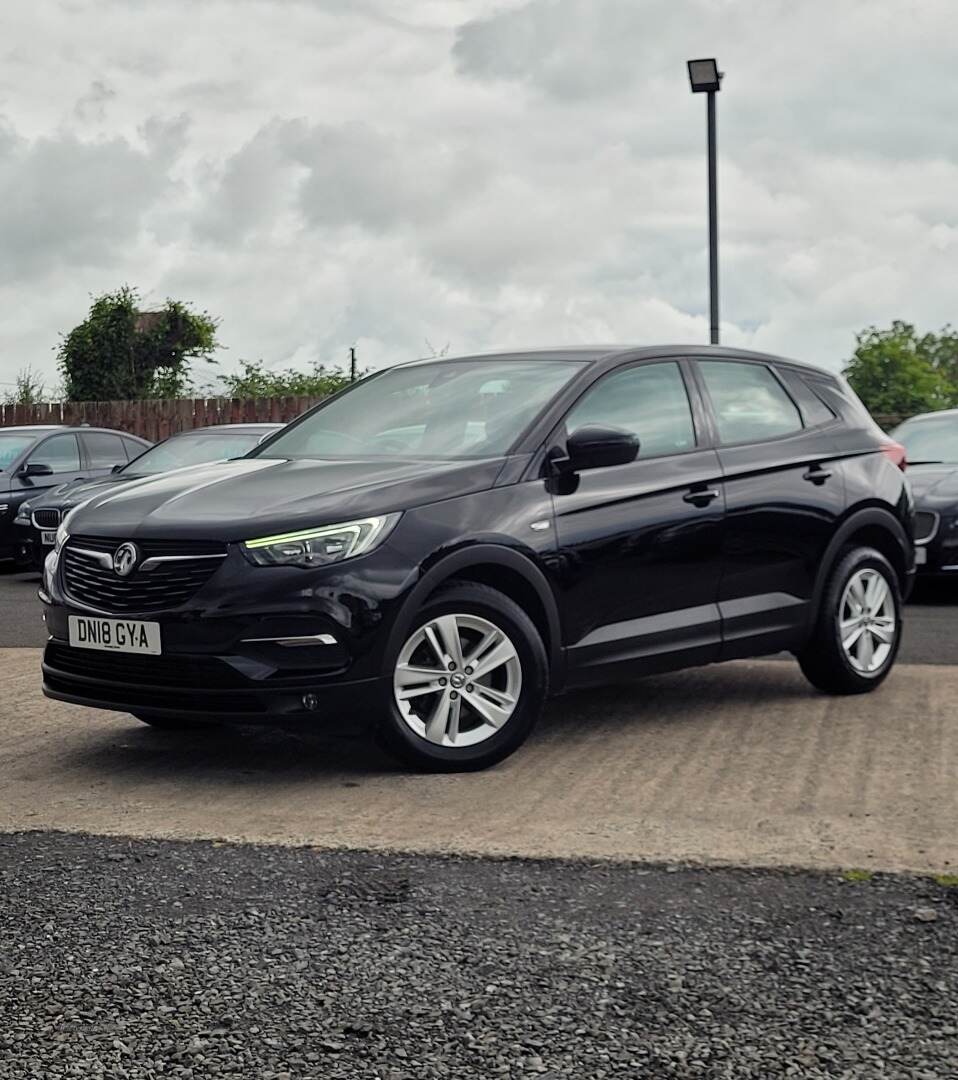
[(182, 450), (12, 446), (443, 410), (934, 439)]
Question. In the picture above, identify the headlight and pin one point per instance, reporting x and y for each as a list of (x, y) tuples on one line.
[(23, 516), (318, 547)]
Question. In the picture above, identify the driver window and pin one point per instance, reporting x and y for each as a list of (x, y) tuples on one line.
[(649, 400), (61, 453)]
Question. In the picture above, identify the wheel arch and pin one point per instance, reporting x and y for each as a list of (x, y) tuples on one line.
[(501, 568), (869, 527)]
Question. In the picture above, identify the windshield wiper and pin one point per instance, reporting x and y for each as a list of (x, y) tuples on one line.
[(924, 462)]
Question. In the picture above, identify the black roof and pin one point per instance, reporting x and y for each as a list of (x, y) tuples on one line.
[(593, 353)]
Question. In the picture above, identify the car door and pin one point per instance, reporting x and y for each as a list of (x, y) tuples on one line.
[(59, 456), (639, 545), (782, 496)]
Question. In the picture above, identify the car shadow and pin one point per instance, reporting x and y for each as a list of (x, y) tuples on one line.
[(347, 751), (934, 592)]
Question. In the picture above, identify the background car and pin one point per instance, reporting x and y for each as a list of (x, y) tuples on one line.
[(931, 445), (36, 459), (438, 547), (37, 521)]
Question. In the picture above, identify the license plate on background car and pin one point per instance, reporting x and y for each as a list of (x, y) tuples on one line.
[(921, 556), (115, 635), (48, 536)]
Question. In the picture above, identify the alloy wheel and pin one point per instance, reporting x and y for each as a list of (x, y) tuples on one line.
[(867, 621), (457, 680)]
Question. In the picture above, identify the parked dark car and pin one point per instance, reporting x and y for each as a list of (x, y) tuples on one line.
[(37, 520), (442, 545), (37, 459), (931, 443)]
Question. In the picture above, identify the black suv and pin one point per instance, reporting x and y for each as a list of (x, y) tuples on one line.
[(35, 458), (439, 547)]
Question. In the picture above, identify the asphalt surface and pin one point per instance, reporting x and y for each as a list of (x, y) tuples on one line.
[(140, 959), (930, 631)]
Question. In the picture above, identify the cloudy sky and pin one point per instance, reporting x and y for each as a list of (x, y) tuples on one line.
[(476, 173)]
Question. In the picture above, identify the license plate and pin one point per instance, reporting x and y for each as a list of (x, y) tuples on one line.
[(921, 556), (115, 635), (48, 537)]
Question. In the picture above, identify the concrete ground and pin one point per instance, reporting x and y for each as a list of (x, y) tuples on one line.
[(741, 763)]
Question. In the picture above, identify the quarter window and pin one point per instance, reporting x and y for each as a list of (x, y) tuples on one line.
[(650, 401), (61, 453), (750, 403)]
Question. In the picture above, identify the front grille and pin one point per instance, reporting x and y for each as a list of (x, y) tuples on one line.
[(46, 519), (926, 525), (199, 672), (163, 587)]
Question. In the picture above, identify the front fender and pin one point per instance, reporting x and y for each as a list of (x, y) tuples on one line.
[(449, 566)]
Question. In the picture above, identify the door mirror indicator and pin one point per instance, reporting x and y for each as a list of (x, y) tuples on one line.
[(36, 468), (594, 447)]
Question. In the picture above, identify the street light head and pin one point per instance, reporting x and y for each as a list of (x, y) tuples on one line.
[(704, 76)]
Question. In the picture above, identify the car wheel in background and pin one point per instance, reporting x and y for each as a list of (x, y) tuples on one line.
[(858, 629), (468, 682)]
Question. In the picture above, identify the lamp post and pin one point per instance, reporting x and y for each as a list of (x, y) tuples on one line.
[(705, 78)]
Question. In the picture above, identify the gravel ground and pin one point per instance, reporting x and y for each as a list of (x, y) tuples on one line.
[(138, 959)]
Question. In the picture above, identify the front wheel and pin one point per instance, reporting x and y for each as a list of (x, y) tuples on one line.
[(858, 630), (468, 682)]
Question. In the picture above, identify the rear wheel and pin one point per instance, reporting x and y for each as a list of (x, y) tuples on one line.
[(468, 682), (162, 722), (858, 631)]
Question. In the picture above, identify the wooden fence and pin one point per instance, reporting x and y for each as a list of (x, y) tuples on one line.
[(154, 419)]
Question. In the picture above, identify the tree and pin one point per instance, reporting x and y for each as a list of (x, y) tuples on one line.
[(29, 389), (897, 372), (122, 353), (256, 381)]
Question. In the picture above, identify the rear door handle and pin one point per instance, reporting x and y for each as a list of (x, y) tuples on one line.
[(817, 475), (701, 498)]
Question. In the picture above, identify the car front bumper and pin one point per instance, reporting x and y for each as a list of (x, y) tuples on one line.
[(253, 645), (238, 700)]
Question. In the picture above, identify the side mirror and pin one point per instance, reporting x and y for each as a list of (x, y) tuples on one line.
[(35, 468), (594, 447)]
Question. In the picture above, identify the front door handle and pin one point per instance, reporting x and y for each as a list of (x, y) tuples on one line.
[(701, 498), (816, 475)]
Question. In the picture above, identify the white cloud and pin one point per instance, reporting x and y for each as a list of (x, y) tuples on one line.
[(476, 172)]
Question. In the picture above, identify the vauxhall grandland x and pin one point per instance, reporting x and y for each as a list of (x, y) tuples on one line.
[(439, 547)]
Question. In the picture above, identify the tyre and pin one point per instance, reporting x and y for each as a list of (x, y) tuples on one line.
[(467, 684), (173, 723), (858, 629)]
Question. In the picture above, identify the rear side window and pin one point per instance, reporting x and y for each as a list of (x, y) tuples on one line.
[(650, 401), (803, 389), (750, 404), (61, 453), (133, 448), (103, 450)]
